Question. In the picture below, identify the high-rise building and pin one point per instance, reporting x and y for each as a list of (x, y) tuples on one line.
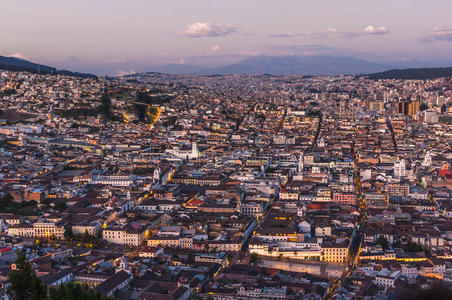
[(410, 108), (402, 107), (399, 168), (413, 107)]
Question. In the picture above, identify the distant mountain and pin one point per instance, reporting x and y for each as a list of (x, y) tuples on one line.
[(283, 65), (18, 64), (178, 69), (420, 73), (274, 65), (71, 62), (306, 65)]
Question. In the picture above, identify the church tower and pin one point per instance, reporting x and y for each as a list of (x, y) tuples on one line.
[(427, 160), (194, 150), (300, 164), (156, 176)]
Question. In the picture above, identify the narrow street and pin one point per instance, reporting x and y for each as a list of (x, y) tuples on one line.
[(358, 233)]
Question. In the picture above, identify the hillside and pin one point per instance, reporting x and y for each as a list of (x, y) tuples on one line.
[(17, 64), (419, 73)]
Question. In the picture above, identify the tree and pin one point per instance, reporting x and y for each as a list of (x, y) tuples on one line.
[(254, 258), (24, 282), (5, 201), (86, 237), (437, 291), (397, 244), (74, 291), (423, 107), (383, 242), (60, 206), (411, 247), (106, 104), (68, 234)]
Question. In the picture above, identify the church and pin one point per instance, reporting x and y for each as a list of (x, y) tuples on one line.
[(185, 152)]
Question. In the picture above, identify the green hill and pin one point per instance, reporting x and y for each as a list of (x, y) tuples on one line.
[(421, 73)]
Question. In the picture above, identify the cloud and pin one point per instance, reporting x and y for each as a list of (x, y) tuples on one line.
[(249, 53), (18, 55), (351, 35), (369, 30), (200, 29), (318, 50), (251, 34), (286, 35), (215, 48), (376, 30), (330, 30), (117, 60), (440, 28), (316, 35), (180, 61), (125, 72), (306, 49), (439, 33)]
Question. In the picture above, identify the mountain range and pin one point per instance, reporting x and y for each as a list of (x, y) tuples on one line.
[(283, 65), (317, 65), (275, 65)]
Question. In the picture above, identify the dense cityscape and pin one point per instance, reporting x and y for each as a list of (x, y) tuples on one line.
[(154, 186)]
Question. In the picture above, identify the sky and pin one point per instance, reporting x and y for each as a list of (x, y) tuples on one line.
[(221, 31)]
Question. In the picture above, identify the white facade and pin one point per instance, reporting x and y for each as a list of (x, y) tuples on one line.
[(334, 254), (386, 278), (93, 228), (427, 160), (399, 169), (124, 237), (42, 229), (113, 180), (185, 154)]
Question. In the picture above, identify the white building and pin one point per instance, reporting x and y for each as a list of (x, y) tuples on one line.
[(427, 159), (119, 180), (123, 236), (184, 153), (386, 278), (92, 228), (252, 208), (150, 252), (42, 228), (430, 116), (409, 270), (335, 253), (399, 169)]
